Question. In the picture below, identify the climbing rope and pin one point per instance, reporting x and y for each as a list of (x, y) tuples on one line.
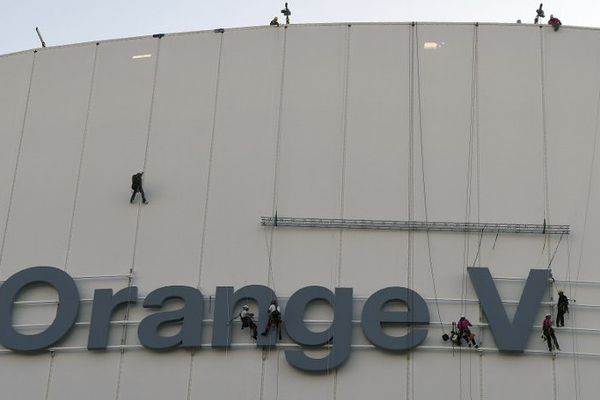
[(208, 182), (83, 143), (18, 159)]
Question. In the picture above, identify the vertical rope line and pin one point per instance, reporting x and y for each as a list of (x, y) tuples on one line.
[(343, 149), (345, 90), (275, 196), (554, 385), (50, 373), (481, 376), (410, 181), (83, 143), (423, 177), (137, 229), (190, 378), (210, 162), (544, 137), (18, 159), (572, 318), (269, 238), (205, 211), (469, 184)]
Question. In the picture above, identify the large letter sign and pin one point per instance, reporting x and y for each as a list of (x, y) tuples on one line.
[(66, 313), (510, 336)]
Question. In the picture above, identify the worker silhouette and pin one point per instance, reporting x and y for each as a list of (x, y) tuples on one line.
[(136, 186), (563, 308), (274, 22)]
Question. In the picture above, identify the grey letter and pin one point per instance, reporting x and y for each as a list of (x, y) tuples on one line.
[(191, 314), (225, 301), (104, 305), (66, 313), (373, 317), (340, 331), (510, 337)]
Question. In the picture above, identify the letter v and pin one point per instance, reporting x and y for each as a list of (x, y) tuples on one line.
[(510, 337)]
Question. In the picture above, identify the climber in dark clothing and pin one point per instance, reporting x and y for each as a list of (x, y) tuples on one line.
[(563, 308), (136, 186)]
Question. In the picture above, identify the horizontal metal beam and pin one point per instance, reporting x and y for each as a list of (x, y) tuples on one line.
[(369, 224)]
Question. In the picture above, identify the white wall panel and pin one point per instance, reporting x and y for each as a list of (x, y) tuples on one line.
[(38, 227), (168, 246), (512, 185), (72, 371), (147, 374), (376, 172), (286, 382), (571, 94), (309, 182), (15, 73), (105, 223), (506, 376), (457, 375), (443, 108), (242, 380), (241, 189), (24, 376), (355, 381)]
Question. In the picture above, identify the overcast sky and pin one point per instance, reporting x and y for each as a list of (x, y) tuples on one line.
[(73, 21)]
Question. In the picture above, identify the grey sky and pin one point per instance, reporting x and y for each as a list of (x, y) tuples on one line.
[(73, 21)]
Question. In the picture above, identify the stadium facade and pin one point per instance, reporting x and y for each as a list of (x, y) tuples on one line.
[(478, 125)]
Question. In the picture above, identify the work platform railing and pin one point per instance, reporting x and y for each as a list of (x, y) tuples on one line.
[(386, 225)]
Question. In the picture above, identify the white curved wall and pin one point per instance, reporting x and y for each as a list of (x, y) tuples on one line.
[(315, 121)]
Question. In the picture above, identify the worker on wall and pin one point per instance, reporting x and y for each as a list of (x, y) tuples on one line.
[(247, 319), (136, 186), (548, 333), (464, 331), (274, 319), (563, 308)]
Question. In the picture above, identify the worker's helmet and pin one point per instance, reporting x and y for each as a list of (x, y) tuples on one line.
[(551, 16), (462, 317), (548, 315), (561, 292), (245, 307)]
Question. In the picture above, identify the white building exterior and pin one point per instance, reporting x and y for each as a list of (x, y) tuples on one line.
[(426, 122)]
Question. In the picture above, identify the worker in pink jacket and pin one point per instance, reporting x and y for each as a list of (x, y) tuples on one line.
[(464, 332), (548, 333)]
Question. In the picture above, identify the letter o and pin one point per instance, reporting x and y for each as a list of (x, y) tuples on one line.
[(66, 313)]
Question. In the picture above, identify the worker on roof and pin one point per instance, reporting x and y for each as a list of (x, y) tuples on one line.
[(136, 186), (464, 331), (555, 22), (563, 308), (247, 319), (274, 319), (548, 333), (274, 22)]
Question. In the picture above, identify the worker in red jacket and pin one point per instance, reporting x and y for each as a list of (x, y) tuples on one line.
[(555, 22)]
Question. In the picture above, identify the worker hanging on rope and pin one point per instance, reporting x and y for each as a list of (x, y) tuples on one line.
[(554, 22), (274, 22), (274, 319), (247, 319), (563, 308), (548, 333), (136, 186), (539, 13), (464, 332)]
